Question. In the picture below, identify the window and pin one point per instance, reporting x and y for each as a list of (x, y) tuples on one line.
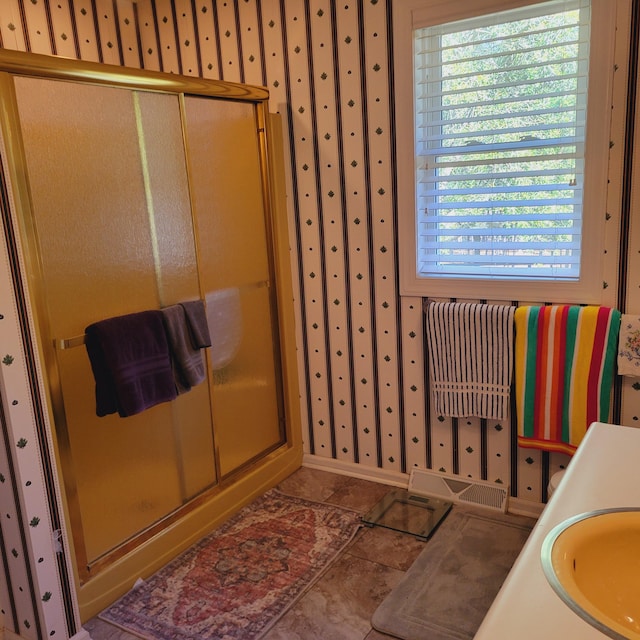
[(507, 170)]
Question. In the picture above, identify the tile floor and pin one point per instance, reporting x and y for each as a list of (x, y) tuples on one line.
[(340, 605)]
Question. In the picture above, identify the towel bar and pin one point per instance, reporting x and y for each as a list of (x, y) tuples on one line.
[(78, 341), (70, 343)]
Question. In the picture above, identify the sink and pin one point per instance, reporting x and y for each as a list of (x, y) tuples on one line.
[(592, 561)]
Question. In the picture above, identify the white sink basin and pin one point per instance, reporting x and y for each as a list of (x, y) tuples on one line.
[(592, 561)]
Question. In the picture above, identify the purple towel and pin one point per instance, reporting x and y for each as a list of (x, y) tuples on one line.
[(197, 323), (131, 363), (187, 361)]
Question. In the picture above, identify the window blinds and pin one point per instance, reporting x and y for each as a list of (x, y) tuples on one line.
[(500, 113)]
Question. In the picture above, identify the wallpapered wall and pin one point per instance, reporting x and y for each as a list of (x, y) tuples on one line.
[(329, 68)]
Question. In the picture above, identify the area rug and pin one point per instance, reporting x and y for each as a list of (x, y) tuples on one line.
[(449, 588), (239, 580)]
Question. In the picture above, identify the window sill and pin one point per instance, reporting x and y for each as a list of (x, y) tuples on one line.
[(581, 292)]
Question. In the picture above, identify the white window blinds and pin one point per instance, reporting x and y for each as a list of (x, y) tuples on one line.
[(500, 112)]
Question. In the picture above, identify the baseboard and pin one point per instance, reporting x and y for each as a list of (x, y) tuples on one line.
[(521, 507), (383, 476), (516, 506), (6, 634)]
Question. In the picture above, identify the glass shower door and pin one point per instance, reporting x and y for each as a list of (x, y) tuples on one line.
[(233, 253), (112, 215)]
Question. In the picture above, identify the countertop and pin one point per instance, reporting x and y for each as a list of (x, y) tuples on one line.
[(602, 474)]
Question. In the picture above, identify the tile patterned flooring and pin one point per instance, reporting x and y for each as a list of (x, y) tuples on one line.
[(340, 604)]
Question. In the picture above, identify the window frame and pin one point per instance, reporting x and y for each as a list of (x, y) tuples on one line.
[(410, 14)]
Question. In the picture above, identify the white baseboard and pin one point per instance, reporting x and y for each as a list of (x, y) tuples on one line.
[(516, 506), (393, 478), (521, 507), (6, 634)]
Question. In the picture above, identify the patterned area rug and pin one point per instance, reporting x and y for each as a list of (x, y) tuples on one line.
[(238, 581), (449, 588)]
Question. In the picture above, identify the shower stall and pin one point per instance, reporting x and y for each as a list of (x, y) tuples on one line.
[(135, 191)]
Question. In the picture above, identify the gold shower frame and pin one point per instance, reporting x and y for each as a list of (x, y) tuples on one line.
[(107, 577)]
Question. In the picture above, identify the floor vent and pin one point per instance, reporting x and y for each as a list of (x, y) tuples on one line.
[(478, 492)]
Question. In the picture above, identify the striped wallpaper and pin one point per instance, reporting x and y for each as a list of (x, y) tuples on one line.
[(329, 69), (35, 582)]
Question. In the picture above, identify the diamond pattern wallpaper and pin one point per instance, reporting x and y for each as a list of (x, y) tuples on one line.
[(329, 69)]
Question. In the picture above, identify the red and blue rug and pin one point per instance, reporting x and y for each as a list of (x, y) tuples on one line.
[(238, 581)]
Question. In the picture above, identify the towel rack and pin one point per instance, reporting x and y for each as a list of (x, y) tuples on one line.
[(70, 343), (77, 341)]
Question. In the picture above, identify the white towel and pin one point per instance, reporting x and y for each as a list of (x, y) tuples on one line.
[(629, 346), (470, 358)]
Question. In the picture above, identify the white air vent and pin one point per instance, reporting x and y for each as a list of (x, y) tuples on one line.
[(478, 492)]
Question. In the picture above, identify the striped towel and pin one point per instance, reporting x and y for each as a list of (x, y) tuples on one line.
[(470, 358), (565, 359)]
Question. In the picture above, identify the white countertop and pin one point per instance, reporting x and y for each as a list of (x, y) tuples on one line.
[(603, 474)]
